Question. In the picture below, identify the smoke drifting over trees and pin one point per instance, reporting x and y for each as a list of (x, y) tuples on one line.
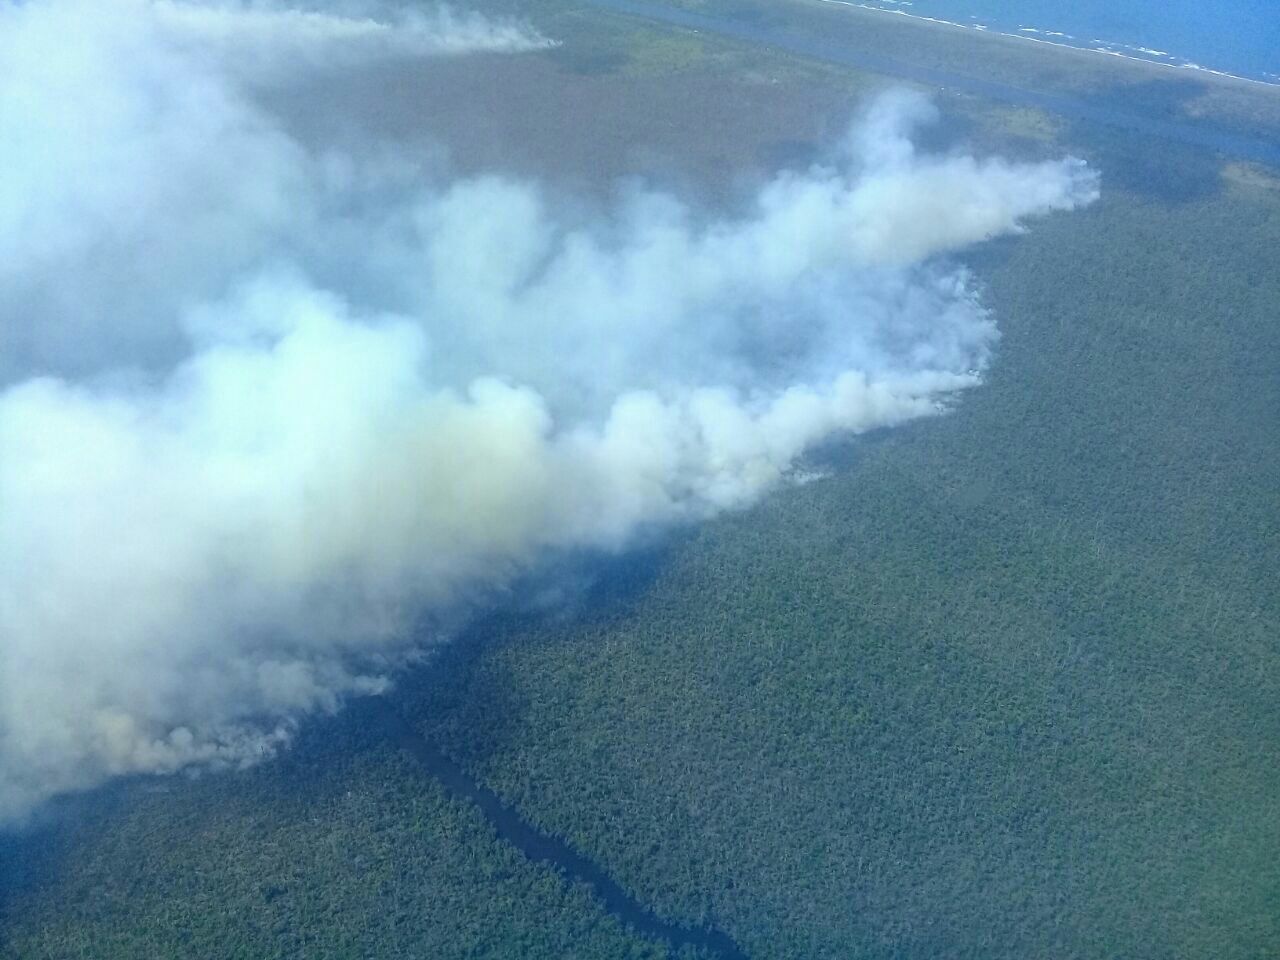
[(259, 403)]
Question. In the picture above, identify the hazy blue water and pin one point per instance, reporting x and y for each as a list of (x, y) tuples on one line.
[(1194, 133), (1237, 36)]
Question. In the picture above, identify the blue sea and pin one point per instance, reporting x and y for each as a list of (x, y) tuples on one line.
[(1240, 37)]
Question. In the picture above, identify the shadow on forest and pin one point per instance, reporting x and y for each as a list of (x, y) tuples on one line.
[(1153, 168), (35, 854), (455, 683), (380, 714)]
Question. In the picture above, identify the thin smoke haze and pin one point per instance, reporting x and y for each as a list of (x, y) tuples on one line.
[(261, 404)]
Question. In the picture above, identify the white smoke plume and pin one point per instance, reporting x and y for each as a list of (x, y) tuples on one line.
[(261, 404)]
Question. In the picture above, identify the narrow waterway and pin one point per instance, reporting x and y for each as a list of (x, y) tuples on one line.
[(1073, 108), (539, 846)]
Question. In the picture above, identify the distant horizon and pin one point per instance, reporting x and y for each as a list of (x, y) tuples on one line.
[(1236, 37)]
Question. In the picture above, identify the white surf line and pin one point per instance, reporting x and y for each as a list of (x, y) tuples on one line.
[(1184, 65)]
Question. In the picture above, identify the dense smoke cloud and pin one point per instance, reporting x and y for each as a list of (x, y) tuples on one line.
[(260, 404)]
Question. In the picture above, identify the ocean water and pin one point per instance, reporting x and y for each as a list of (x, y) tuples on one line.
[(1240, 37)]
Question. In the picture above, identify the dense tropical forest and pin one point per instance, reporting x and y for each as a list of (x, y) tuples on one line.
[(1002, 683)]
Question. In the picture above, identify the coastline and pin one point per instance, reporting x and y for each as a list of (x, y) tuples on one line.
[(1073, 103), (1102, 47)]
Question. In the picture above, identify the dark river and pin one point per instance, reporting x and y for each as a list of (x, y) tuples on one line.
[(539, 846), (508, 824)]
